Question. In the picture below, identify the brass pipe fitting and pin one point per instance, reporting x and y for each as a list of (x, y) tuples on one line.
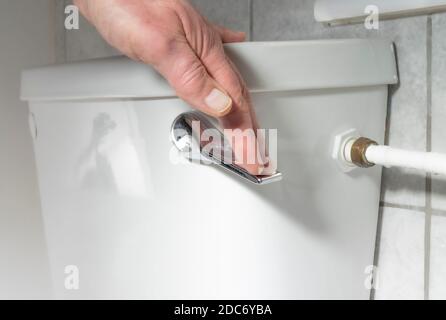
[(358, 152)]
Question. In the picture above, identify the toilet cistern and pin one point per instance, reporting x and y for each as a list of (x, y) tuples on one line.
[(189, 143)]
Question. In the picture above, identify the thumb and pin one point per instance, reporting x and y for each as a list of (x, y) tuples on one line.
[(192, 82)]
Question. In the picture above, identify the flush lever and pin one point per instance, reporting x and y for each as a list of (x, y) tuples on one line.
[(188, 141)]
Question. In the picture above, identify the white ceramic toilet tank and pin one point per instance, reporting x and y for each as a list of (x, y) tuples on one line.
[(137, 225)]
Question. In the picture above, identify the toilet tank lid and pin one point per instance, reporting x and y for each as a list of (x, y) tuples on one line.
[(265, 66)]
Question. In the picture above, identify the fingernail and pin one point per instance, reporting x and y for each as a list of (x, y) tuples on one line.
[(218, 101)]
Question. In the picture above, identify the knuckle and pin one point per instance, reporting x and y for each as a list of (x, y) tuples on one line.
[(214, 45), (190, 80)]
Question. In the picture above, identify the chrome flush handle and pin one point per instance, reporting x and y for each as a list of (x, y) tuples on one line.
[(188, 141)]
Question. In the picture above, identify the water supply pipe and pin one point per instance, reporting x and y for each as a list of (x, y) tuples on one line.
[(354, 152)]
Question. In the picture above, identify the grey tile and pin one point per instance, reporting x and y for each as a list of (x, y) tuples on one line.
[(86, 43), (233, 14), (439, 104), (401, 255), (294, 20), (403, 187), (408, 106), (285, 20), (437, 276)]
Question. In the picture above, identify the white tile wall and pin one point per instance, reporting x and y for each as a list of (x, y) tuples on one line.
[(437, 288), (439, 103), (437, 276), (401, 255)]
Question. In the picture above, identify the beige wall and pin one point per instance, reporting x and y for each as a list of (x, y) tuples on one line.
[(26, 40)]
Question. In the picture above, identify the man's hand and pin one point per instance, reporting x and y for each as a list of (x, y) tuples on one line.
[(188, 51)]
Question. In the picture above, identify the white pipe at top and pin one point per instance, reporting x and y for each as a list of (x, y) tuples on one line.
[(391, 157)]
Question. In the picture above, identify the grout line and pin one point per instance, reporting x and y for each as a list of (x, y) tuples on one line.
[(65, 51), (60, 42), (437, 212), (386, 135), (380, 211), (388, 116), (428, 216), (251, 20), (53, 29), (377, 247), (402, 206)]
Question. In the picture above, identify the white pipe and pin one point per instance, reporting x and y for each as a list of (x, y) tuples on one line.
[(391, 157)]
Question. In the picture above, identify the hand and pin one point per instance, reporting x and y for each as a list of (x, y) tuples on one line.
[(188, 51)]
